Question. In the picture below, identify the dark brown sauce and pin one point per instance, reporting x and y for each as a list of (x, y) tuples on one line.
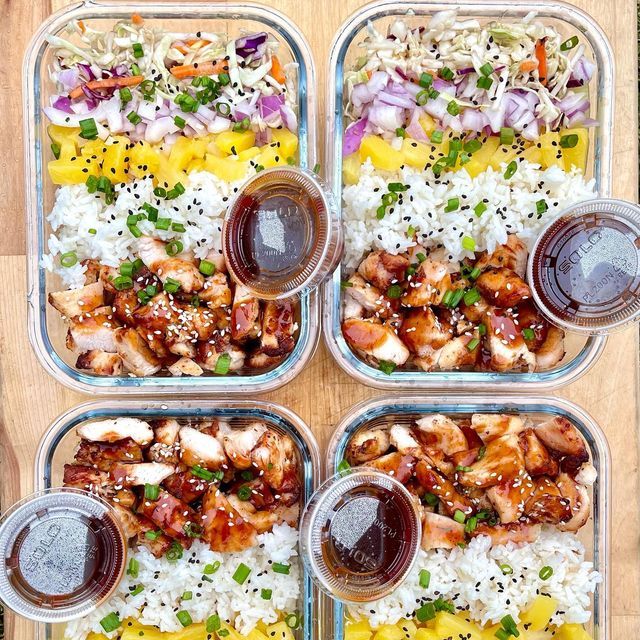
[(366, 541)]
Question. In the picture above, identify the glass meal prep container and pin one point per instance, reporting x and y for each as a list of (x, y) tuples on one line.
[(46, 328), (57, 448), (581, 352), (594, 535)]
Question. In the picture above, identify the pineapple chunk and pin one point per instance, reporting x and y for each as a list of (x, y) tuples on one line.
[(197, 164), (480, 159), (181, 154), (200, 146), (532, 154), (572, 632), (489, 633), (551, 150), (448, 624), (227, 169), (505, 153), (149, 633), (389, 632), (115, 162), (351, 169), (287, 142), (358, 631), (96, 636), (427, 634), (143, 160), (576, 156), (213, 149), (382, 154), (538, 615), (408, 628), (427, 123), (167, 175), (93, 148), (280, 631), (235, 141), (270, 156), (417, 154), (256, 634), (249, 153), (73, 169), (66, 137)]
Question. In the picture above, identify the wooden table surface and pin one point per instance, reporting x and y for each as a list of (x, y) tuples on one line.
[(30, 399)]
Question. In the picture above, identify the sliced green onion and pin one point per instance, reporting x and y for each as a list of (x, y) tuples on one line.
[(471, 297), (452, 205), (480, 208), (137, 590), (152, 212), (148, 88), (174, 247), (55, 149), (420, 257), (431, 499), (224, 79), (223, 108), (201, 472), (110, 622), (344, 466), (528, 334), (433, 93), (446, 73), (380, 211), (486, 69), (546, 572), (160, 192), (425, 81), (179, 122), (293, 621), (453, 108), (475, 272), (163, 223), (125, 95), (482, 330), (425, 578), (88, 129), (316, 168), (459, 516), (506, 569), (394, 291), (541, 206), (126, 268), (171, 285), (455, 144), (178, 227), (569, 142), (484, 82), (506, 135), (471, 146), (389, 198), (134, 118), (502, 634), (133, 568), (436, 136), (152, 535), (135, 69), (122, 282), (222, 365), (68, 259), (241, 126), (135, 232), (223, 633), (211, 568), (472, 522), (461, 467), (244, 493), (509, 172), (137, 50), (213, 624), (192, 530), (184, 618), (151, 491), (386, 367), (241, 573), (468, 243), (447, 297), (265, 594), (397, 187), (569, 44), (422, 97), (104, 184), (426, 612), (279, 567), (187, 595)]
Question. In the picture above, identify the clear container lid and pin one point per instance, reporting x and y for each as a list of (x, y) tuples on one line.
[(62, 554), (282, 233), (584, 268), (361, 534)]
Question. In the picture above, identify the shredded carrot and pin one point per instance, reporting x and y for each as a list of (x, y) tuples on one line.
[(197, 43), (369, 74), (541, 55), (277, 72), (137, 19), (107, 83), (81, 26), (528, 65), (199, 69)]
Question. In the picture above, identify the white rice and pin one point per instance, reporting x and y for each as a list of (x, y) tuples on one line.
[(242, 605), (471, 578), (423, 208), (201, 209)]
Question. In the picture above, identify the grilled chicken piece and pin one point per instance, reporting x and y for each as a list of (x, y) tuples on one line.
[(383, 269), (465, 458), (509, 497), (98, 483), (561, 436), (423, 333), (187, 367), (475, 312), (457, 354), (396, 464), (537, 459), (215, 291), (516, 532), (587, 474), (552, 350), (450, 499), (546, 504), (264, 521), (92, 272), (439, 432), (216, 257), (512, 255), (136, 354), (579, 502), (95, 330), (441, 532), (245, 315), (376, 340), (404, 440), (176, 518), (506, 346), (100, 362), (76, 302), (225, 530), (200, 449), (210, 352), (366, 445), (128, 520), (363, 296), (239, 443), (529, 318), (503, 287), (428, 285), (165, 445), (186, 486), (154, 254), (503, 459), (278, 329), (490, 426), (114, 429), (159, 543), (103, 455), (276, 457), (132, 475)]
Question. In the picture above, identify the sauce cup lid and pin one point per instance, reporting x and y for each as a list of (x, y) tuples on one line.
[(584, 269), (282, 233), (62, 553), (360, 535)]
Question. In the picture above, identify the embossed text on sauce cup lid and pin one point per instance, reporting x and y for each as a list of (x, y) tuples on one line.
[(62, 553), (584, 269)]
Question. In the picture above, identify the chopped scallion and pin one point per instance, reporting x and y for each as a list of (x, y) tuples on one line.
[(453, 108), (110, 622), (265, 594), (68, 259), (468, 243), (137, 50), (88, 129), (425, 578), (244, 493), (207, 268), (511, 169), (569, 141), (171, 285), (386, 367), (546, 572), (436, 136), (426, 612), (122, 282), (279, 567), (425, 81), (212, 624), (471, 297), (459, 516), (446, 73), (222, 365), (151, 491), (133, 568), (569, 44), (134, 118), (394, 291), (484, 82), (528, 333), (452, 205), (506, 135), (179, 122), (184, 617), (241, 573)]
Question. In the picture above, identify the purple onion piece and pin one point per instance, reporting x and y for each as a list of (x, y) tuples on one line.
[(63, 103)]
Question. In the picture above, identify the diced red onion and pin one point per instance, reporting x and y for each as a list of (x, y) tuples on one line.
[(289, 118), (270, 104), (88, 71), (251, 47), (353, 137), (158, 129), (414, 128), (385, 116), (69, 78), (63, 103), (583, 70)]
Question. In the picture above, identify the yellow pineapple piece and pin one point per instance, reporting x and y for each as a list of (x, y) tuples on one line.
[(228, 169), (287, 142), (480, 158), (449, 624), (408, 628), (280, 631), (167, 175), (96, 636), (427, 123), (249, 153), (150, 633), (389, 632), (426, 634), (197, 164), (143, 160), (504, 154), (256, 634), (576, 156), (270, 156), (417, 154), (358, 630), (72, 169), (532, 154), (572, 632), (538, 615), (95, 147), (115, 163), (66, 137), (382, 154), (230, 142), (351, 169), (551, 150), (182, 152)]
